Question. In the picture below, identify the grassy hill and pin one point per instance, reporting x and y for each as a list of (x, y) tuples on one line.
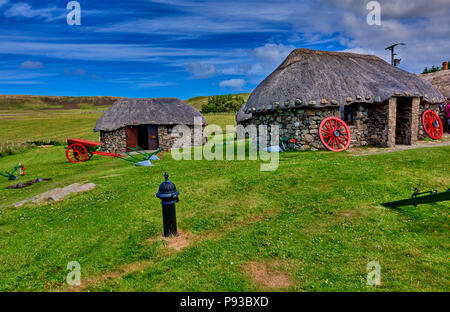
[(199, 101), (36, 102)]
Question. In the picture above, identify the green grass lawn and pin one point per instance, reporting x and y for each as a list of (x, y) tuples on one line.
[(318, 217), (20, 128)]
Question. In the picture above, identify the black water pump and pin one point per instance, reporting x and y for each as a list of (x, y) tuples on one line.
[(168, 194)]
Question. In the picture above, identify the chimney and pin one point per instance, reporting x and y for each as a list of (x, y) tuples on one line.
[(445, 66)]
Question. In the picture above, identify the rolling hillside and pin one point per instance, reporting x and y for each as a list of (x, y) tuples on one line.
[(35, 102), (199, 101)]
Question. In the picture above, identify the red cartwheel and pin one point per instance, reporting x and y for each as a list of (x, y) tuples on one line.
[(76, 153), (432, 124), (334, 134)]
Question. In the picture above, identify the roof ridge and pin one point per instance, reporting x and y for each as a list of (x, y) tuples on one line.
[(295, 55)]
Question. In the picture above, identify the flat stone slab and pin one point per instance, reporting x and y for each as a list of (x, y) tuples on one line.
[(57, 193)]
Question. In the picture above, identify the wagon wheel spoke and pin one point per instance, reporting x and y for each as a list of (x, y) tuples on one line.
[(334, 134), (76, 153), (432, 124)]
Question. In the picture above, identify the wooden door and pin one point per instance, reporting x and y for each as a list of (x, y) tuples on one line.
[(132, 140), (153, 143)]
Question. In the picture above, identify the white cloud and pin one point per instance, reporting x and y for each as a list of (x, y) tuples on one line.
[(22, 77), (103, 51), (154, 84), (272, 52), (22, 9), (75, 73), (201, 70), (31, 65), (236, 84), (3, 2)]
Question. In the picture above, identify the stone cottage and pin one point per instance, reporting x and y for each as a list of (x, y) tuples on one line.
[(381, 104), (440, 79), (145, 123)]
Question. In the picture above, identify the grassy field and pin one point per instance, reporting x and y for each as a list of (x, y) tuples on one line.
[(21, 128), (26, 120), (316, 222), (312, 225)]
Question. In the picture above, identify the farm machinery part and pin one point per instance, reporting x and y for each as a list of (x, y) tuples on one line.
[(140, 157), (12, 175), (28, 183), (287, 142), (334, 134), (82, 150), (432, 125), (419, 198)]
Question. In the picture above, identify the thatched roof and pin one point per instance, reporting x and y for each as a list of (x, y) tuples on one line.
[(320, 78), (242, 116), (441, 80), (157, 111)]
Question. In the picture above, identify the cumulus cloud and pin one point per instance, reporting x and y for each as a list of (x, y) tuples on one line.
[(236, 84), (31, 65), (272, 52), (201, 70), (421, 24)]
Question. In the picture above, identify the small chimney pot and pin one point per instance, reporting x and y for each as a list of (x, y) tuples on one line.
[(445, 66)]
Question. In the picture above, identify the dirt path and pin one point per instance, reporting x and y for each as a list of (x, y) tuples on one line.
[(445, 141)]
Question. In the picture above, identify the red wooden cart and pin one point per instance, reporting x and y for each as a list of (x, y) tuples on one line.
[(82, 150)]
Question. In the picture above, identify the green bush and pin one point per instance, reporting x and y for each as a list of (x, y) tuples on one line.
[(223, 104)]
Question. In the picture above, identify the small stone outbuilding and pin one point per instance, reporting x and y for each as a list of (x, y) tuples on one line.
[(381, 104), (145, 123)]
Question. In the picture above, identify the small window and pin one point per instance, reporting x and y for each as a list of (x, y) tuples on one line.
[(348, 114)]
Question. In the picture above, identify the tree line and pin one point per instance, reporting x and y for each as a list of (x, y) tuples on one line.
[(223, 104), (432, 69)]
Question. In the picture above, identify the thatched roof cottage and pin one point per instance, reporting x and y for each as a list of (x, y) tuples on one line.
[(381, 104), (440, 79), (146, 123)]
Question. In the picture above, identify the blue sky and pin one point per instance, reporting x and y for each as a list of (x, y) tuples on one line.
[(183, 49)]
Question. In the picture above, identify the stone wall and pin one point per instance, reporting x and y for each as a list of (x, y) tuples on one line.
[(167, 138), (301, 123), (398, 120), (114, 141), (370, 124)]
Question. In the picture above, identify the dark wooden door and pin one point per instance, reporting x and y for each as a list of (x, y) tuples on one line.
[(142, 135), (153, 143), (132, 140)]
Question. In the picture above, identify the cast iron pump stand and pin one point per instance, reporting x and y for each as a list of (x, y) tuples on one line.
[(168, 194)]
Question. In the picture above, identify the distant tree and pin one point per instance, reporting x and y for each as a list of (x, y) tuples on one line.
[(432, 70), (223, 104)]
